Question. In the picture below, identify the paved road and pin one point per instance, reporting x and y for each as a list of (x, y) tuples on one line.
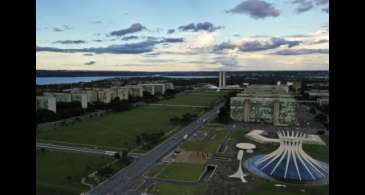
[(179, 105), (84, 150), (75, 149), (120, 183)]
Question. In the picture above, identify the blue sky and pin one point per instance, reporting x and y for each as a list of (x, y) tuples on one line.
[(255, 30)]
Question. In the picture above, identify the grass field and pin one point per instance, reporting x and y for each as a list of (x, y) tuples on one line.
[(53, 169), (156, 170), (269, 188), (168, 189), (195, 98), (117, 131), (209, 146), (182, 171)]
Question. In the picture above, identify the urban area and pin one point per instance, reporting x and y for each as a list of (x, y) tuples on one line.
[(260, 133)]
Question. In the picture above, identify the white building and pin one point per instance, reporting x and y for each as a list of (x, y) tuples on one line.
[(46, 102)]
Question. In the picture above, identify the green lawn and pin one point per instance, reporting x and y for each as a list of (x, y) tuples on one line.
[(269, 188), (156, 169), (182, 171), (53, 168), (209, 146), (116, 131), (168, 189), (195, 98), (318, 152)]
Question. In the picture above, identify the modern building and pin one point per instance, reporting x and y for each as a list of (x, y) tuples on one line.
[(289, 162), (46, 102), (60, 96), (70, 97), (135, 91), (106, 95), (323, 101), (122, 92), (222, 80), (153, 88), (264, 103), (80, 97), (169, 86), (92, 95), (317, 93)]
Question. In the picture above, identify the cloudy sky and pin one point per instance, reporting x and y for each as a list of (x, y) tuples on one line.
[(182, 35)]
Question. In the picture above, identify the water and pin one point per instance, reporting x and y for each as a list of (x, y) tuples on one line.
[(63, 80)]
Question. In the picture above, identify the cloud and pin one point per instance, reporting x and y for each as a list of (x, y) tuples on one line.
[(137, 27), (226, 61), (127, 38), (67, 27), (204, 26), (320, 41), (257, 9), (224, 46), (303, 6), (97, 22), (306, 5), (170, 31), (325, 10), (321, 2), (90, 63), (88, 54), (56, 29), (301, 51), (98, 40), (256, 45), (271, 44), (172, 40), (70, 42), (132, 48), (63, 28)]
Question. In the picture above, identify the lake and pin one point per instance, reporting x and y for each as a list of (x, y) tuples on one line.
[(63, 80)]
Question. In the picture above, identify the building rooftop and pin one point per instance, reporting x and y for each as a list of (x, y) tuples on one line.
[(265, 91)]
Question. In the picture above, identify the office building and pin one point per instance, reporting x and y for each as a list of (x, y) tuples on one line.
[(264, 103)]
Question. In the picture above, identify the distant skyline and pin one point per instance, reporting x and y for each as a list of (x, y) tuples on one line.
[(182, 35)]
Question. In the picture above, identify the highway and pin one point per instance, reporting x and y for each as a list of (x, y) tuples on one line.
[(120, 183)]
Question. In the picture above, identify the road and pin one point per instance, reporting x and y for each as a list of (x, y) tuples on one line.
[(84, 150), (120, 183), (75, 149), (179, 105)]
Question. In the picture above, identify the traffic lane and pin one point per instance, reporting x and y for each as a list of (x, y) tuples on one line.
[(141, 165)]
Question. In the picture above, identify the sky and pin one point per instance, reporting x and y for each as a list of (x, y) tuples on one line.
[(182, 35)]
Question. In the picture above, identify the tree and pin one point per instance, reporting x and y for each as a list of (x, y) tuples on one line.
[(69, 178), (138, 140), (321, 118), (105, 171), (125, 158), (43, 115), (312, 110), (117, 155)]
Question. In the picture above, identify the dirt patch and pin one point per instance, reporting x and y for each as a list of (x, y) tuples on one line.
[(192, 157)]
